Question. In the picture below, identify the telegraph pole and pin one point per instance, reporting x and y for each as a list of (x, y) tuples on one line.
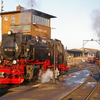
[(1, 9)]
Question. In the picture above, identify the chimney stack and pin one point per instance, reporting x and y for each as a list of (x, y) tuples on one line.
[(18, 8)]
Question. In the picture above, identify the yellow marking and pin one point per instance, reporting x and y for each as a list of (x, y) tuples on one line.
[(36, 85)]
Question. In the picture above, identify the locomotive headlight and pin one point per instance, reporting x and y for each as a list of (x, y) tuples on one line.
[(0, 61), (14, 62), (37, 39), (27, 49), (9, 32)]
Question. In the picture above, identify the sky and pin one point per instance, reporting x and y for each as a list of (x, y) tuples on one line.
[(77, 20)]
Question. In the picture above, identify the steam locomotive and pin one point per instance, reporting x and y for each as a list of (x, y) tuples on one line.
[(97, 61), (21, 57)]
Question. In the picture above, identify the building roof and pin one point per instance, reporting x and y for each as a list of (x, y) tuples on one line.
[(81, 50), (36, 12), (75, 50), (89, 50)]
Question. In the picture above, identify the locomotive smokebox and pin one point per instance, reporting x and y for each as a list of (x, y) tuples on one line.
[(10, 46)]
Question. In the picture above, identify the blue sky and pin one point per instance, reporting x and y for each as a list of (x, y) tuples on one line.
[(74, 22)]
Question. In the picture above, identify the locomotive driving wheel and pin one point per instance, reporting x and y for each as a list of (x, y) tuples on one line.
[(29, 72)]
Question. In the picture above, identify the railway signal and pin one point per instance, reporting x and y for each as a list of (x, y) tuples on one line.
[(85, 41)]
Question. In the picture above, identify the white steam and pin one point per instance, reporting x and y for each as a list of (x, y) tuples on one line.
[(96, 22), (47, 76), (28, 3)]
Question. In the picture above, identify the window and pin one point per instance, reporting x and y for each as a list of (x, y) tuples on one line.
[(41, 20), (13, 19)]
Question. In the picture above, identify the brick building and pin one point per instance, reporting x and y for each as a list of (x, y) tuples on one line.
[(28, 21)]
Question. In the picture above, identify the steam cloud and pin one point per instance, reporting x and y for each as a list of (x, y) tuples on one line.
[(96, 22), (25, 16), (29, 3)]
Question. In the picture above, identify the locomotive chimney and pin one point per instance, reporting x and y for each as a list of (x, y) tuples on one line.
[(19, 8)]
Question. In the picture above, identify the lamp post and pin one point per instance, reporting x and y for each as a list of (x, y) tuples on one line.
[(1, 9)]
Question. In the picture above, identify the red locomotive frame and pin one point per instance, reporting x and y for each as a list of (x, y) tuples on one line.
[(15, 73)]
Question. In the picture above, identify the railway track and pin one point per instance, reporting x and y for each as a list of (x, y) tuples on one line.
[(94, 89), (85, 90), (96, 94), (75, 69)]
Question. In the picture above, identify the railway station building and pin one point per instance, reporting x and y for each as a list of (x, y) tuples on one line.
[(74, 53), (29, 21)]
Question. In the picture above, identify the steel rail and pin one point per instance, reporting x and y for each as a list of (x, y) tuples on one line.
[(92, 91), (89, 94), (94, 87), (76, 88)]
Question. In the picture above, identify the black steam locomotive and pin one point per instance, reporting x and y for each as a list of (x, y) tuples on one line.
[(22, 54), (97, 60)]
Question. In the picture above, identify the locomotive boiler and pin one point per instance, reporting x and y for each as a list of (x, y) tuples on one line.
[(21, 55)]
